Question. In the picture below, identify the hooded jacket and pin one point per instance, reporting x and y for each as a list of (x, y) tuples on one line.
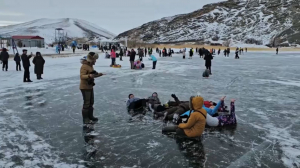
[(196, 123), (154, 100)]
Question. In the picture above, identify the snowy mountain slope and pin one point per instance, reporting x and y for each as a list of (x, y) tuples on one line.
[(74, 28), (251, 22)]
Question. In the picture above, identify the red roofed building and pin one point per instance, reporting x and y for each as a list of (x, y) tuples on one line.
[(29, 41)]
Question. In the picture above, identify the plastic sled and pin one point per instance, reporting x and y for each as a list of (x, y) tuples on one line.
[(116, 66)]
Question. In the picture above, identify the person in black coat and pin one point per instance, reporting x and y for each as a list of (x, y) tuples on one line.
[(237, 55), (38, 62), (132, 58), (18, 61), (4, 58), (208, 57), (219, 51), (26, 65)]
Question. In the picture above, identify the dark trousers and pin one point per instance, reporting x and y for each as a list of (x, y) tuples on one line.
[(180, 132), (73, 50), (39, 76), (137, 104), (154, 64), (121, 58), (26, 74), (113, 61), (141, 58), (88, 98), (5, 65), (132, 64), (18, 66)]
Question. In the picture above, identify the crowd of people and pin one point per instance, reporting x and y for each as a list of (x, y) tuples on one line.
[(38, 62)]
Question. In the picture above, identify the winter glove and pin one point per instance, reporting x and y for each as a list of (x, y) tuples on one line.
[(174, 96)]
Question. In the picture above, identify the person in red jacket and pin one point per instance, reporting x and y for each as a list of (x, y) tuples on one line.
[(113, 57)]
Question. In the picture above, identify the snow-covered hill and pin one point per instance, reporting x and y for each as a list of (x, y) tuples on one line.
[(74, 28), (241, 21)]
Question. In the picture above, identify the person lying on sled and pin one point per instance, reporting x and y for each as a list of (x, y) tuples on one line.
[(221, 120), (154, 103), (134, 104), (178, 107)]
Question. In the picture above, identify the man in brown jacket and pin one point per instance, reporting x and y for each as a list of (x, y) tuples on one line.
[(87, 75)]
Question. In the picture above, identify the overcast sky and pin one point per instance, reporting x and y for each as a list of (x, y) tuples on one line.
[(116, 16)]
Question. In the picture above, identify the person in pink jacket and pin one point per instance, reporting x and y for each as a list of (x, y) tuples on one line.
[(113, 57)]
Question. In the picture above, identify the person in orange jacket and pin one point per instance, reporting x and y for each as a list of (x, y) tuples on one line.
[(196, 123)]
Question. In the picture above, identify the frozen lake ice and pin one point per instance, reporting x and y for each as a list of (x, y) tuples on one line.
[(41, 123)]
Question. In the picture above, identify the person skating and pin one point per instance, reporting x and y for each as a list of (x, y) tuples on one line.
[(18, 62), (26, 65), (237, 55), (113, 57), (38, 62), (219, 51), (154, 59), (201, 52), (87, 75), (132, 58), (191, 53), (208, 57), (159, 53), (145, 51), (277, 50), (228, 52), (225, 52), (4, 58), (73, 47), (183, 51), (141, 54), (121, 54)]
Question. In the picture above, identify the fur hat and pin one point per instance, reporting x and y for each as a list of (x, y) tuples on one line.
[(92, 57)]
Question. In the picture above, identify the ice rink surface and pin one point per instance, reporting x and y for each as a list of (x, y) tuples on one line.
[(41, 123)]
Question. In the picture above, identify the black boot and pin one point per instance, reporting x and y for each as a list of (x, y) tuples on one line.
[(85, 116), (91, 115)]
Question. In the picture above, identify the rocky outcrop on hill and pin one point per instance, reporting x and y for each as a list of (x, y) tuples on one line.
[(261, 22)]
